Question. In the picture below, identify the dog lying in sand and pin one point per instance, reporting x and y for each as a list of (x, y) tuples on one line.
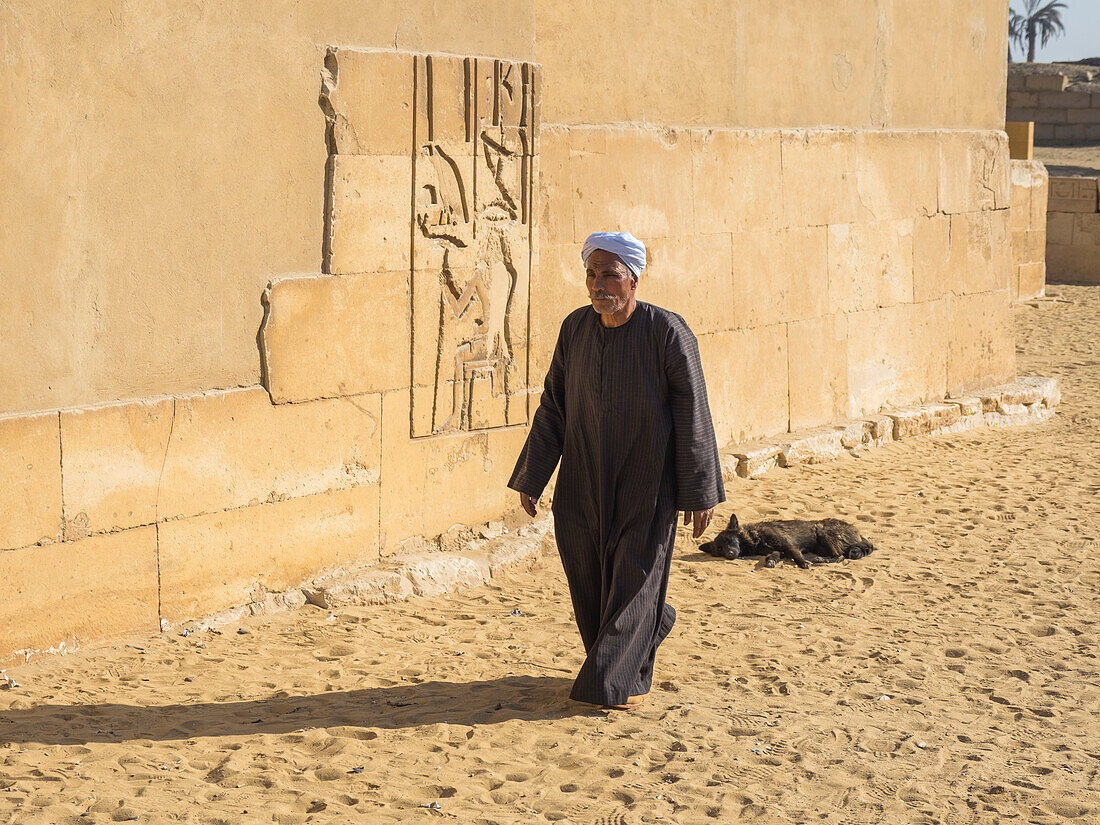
[(803, 542)]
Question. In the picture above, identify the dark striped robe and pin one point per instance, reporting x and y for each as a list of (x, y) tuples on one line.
[(625, 410)]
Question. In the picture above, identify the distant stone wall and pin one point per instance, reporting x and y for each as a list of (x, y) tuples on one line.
[(1062, 107), (1029, 229), (1073, 230)]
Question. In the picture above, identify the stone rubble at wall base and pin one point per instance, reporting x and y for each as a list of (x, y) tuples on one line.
[(460, 559), (1027, 401)]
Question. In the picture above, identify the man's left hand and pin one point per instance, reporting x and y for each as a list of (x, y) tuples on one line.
[(699, 520)]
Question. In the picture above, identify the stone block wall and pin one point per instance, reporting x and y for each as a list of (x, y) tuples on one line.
[(408, 247), (1029, 229), (1073, 230), (826, 272), (1064, 107)]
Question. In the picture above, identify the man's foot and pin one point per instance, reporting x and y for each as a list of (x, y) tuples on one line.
[(631, 702)]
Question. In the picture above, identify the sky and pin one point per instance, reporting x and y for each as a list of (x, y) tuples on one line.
[(1082, 37)]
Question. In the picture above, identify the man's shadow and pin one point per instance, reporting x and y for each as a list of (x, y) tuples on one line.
[(459, 703)]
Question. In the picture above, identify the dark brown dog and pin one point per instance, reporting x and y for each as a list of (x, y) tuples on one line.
[(804, 542)]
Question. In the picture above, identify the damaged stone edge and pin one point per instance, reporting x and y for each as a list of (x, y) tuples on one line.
[(1027, 401), (416, 570)]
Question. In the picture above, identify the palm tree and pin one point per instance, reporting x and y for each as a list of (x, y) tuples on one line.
[(1043, 23)]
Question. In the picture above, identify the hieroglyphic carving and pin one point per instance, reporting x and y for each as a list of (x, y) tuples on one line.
[(473, 168)]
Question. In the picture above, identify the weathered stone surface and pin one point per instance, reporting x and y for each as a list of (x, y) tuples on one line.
[(335, 335), (420, 475), (746, 373), (112, 460), (367, 97), (818, 370), (1072, 194), (897, 173), (1002, 249), (870, 265), (30, 498), (1017, 419), (440, 573), (813, 446), (973, 171), (671, 280), (896, 355), (516, 554), (358, 588), (880, 430), (1030, 245), (1031, 179), (974, 258), (968, 405), (642, 182), (819, 178), (1073, 264), (1086, 229), (923, 420), (968, 45), (854, 434), (1022, 393), (1060, 228), (212, 562), (367, 214), (753, 459), (98, 588), (555, 187), (933, 261), (434, 573), (981, 341), (1032, 281), (735, 172), (778, 276), (1049, 390), (1045, 82), (235, 449), (778, 65)]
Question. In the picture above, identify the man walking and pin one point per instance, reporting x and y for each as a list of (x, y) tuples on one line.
[(624, 408)]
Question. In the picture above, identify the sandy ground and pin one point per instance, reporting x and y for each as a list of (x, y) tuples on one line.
[(1070, 160), (950, 677)]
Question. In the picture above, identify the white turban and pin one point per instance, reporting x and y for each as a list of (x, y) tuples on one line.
[(630, 250)]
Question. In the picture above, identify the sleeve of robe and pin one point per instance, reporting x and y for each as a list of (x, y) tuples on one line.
[(543, 447), (698, 471)]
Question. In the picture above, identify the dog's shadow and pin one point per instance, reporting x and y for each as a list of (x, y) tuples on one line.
[(488, 702)]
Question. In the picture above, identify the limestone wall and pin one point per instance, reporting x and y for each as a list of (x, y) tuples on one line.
[(256, 338), (826, 272), (1029, 229), (1063, 106), (1073, 230), (162, 163)]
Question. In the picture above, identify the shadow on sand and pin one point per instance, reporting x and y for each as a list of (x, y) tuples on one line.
[(488, 702)]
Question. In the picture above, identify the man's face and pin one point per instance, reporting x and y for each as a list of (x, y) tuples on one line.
[(611, 284)]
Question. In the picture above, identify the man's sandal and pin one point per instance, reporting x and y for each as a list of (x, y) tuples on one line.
[(631, 702)]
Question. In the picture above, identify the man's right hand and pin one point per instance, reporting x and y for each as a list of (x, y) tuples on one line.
[(528, 503)]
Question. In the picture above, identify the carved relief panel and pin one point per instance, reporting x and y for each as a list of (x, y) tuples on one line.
[(472, 233)]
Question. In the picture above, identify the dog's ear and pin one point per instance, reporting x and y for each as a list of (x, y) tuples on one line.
[(734, 524)]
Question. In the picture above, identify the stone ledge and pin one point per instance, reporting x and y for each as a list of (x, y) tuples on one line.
[(421, 568), (1026, 401)]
